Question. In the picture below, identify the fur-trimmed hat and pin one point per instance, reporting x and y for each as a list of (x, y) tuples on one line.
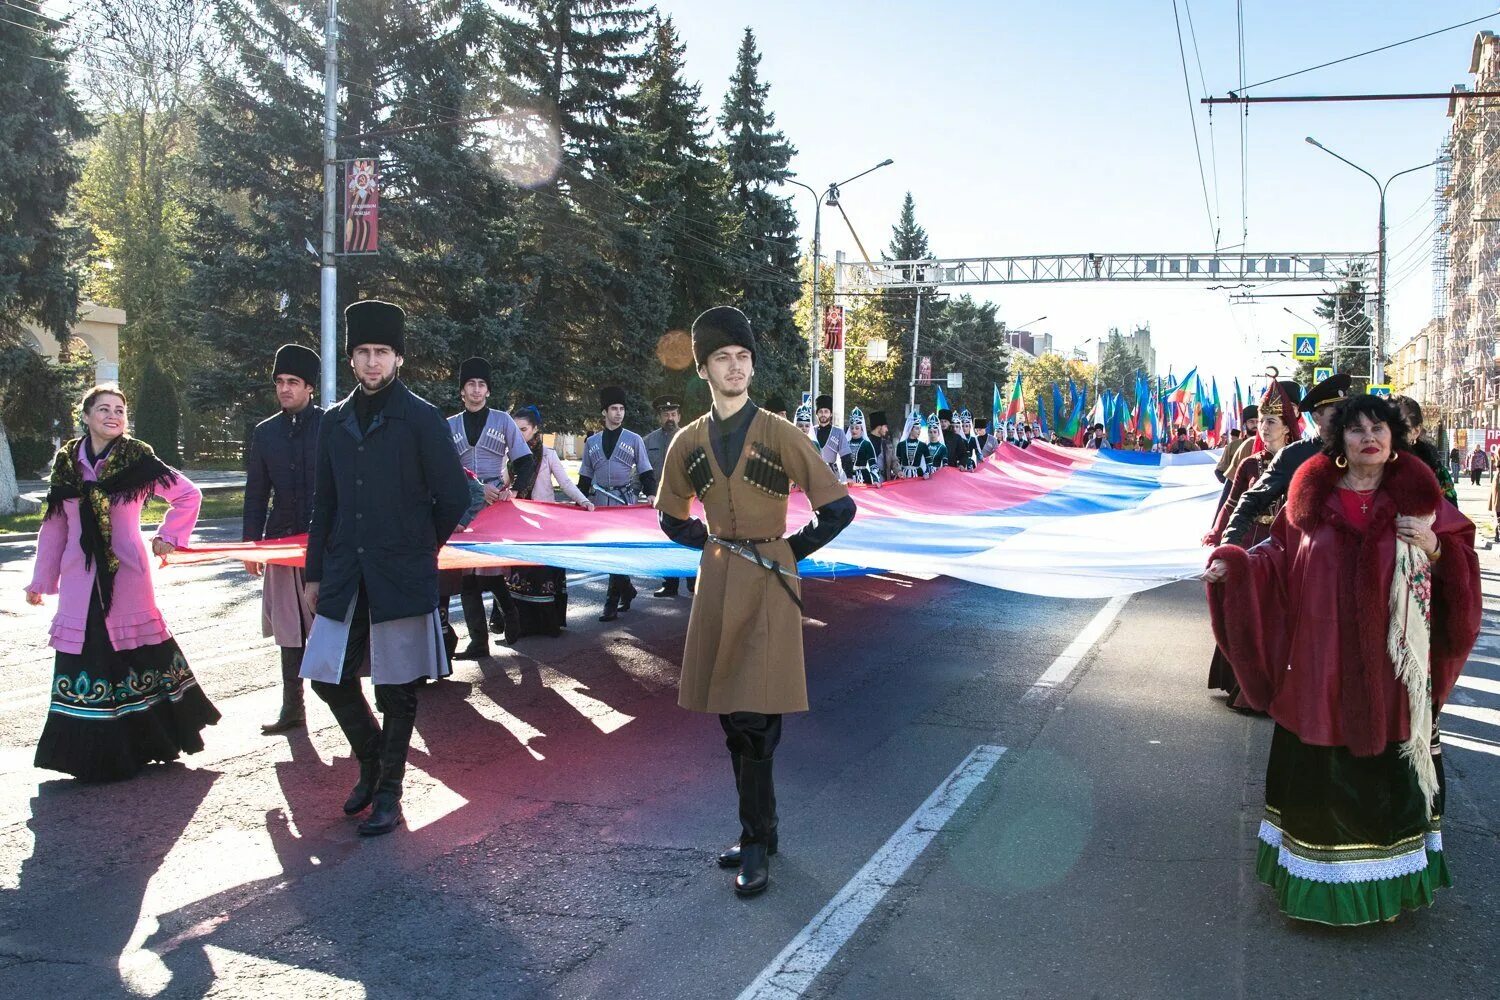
[(475, 368), (610, 395), (372, 321), (945, 415), (294, 359), (720, 327), (824, 402), (877, 418)]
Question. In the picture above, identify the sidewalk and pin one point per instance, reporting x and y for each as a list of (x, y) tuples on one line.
[(1474, 502), (207, 480)]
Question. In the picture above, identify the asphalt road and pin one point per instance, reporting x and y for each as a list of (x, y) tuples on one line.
[(564, 814)]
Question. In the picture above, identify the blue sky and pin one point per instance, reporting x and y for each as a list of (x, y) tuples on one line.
[(1063, 127)]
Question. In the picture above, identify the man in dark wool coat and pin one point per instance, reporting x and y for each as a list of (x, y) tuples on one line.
[(279, 472), (390, 490)]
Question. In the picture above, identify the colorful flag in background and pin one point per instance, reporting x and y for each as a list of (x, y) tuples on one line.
[(942, 399)]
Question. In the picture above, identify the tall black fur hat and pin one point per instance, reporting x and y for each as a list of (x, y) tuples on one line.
[(610, 395), (372, 321), (294, 359), (475, 368), (719, 327)]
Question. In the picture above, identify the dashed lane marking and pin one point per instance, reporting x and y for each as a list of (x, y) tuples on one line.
[(1069, 659), (792, 972)]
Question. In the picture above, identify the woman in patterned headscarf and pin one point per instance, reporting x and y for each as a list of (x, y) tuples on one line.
[(122, 692)]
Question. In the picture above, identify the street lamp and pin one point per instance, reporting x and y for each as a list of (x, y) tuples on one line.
[(1377, 352), (831, 194)]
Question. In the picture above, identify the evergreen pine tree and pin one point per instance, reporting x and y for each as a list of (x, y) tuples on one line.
[(1345, 311), (683, 183), (1118, 365), (596, 298), (155, 412), (40, 120), (899, 305), (447, 219), (763, 245)]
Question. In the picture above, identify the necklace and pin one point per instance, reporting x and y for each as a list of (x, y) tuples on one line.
[(1365, 497)]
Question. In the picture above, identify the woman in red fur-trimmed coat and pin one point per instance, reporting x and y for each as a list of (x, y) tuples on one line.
[(1350, 626)]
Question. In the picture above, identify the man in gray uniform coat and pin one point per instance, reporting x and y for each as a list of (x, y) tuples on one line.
[(617, 472), (668, 416), (489, 444)]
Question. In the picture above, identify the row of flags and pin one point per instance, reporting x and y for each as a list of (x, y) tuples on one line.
[(1151, 411)]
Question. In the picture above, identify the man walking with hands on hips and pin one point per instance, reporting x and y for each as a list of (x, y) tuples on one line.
[(743, 659)]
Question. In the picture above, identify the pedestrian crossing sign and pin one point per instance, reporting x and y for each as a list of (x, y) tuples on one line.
[(1305, 346), (1322, 375), (1383, 391)]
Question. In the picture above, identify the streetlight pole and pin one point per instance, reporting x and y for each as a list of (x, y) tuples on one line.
[(328, 273), (1377, 354), (831, 193)]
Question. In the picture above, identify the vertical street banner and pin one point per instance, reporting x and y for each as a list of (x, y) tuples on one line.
[(361, 207), (924, 370), (833, 328)]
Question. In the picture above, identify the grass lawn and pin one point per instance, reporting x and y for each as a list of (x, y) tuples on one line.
[(216, 504)]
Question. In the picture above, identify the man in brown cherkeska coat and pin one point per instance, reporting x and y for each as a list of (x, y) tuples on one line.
[(743, 659)]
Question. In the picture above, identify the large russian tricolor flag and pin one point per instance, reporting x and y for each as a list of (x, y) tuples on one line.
[(1058, 522)]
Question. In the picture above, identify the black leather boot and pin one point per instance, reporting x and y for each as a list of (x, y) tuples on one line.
[(756, 809), (730, 857), (611, 601), (293, 711), (399, 704), (363, 733), (669, 587), (479, 636), (628, 593)]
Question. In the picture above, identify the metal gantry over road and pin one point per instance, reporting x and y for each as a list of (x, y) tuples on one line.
[(1166, 268)]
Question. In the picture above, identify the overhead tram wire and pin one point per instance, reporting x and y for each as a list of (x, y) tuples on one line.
[(1244, 131), (1369, 52), (1213, 149), (1193, 120)]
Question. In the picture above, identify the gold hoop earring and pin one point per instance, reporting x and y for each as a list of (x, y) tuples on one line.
[(1341, 462)]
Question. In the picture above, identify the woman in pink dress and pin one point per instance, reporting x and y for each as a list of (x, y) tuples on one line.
[(122, 693)]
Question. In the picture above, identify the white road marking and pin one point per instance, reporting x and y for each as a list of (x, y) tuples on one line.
[(792, 972), (1069, 659)]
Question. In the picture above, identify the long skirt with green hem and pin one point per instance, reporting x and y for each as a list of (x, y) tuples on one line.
[(1345, 839), (114, 711)]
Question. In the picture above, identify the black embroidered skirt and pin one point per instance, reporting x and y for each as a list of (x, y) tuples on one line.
[(541, 594), (114, 711)]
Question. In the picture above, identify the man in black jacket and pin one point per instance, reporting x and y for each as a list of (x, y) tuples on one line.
[(279, 470), (390, 490), (1321, 402)]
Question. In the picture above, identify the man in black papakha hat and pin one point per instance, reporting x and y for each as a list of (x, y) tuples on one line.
[(617, 472), (489, 445), (1322, 402), (668, 416), (743, 656), (390, 491), (280, 464), (833, 442)]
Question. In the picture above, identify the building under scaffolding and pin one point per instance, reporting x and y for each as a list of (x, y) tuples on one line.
[(1463, 376)]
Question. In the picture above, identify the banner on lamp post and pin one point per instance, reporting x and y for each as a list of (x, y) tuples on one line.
[(924, 370), (361, 207), (833, 328)]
